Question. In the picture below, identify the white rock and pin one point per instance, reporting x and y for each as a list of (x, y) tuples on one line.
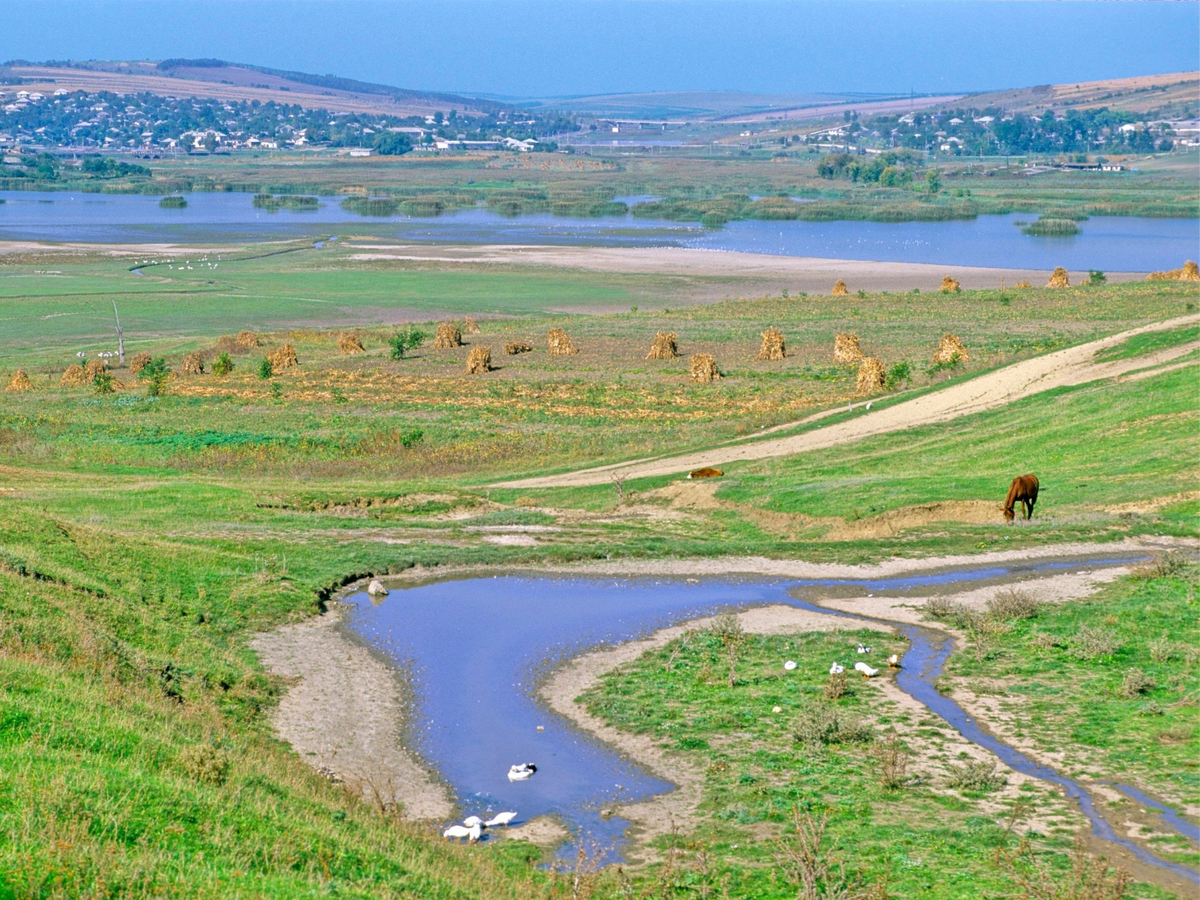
[(376, 589)]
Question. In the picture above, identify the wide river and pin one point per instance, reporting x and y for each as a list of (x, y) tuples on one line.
[(1114, 244), (474, 650)]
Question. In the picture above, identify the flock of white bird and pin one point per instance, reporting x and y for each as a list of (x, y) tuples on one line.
[(862, 667), (473, 826)]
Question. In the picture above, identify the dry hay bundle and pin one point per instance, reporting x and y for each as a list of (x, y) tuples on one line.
[(840, 289), (94, 368), (949, 348), (193, 364), (19, 383), (470, 326), (448, 336), (664, 346), (75, 375), (1189, 272), (846, 348), (1058, 278), (512, 348), (559, 343), (246, 340), (1022, 284), (704, 368), (772, 345), (479, 361), (871, 376), (283, 358), (949, 285), (140, 361), (348, 343)]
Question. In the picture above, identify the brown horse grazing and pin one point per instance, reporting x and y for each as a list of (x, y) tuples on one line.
[(1024, 489), (705, 473)]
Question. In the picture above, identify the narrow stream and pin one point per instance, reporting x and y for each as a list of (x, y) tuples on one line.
[(473, 650)]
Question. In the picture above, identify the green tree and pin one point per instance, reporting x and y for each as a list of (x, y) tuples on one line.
[(933, 181), (223, 364), (265, 369), (392, 143), (155, 374), (104, 382), (402, 342)]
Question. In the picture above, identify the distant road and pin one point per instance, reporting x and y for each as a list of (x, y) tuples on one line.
[(1074, 365), (866, 107)]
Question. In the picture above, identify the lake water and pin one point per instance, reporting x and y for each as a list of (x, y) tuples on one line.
[(1113, 244), (474, 650)]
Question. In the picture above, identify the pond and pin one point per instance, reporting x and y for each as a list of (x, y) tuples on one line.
[(1114, 244), (475, 649)]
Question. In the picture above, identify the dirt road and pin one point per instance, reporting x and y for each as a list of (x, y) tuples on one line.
[(1074, 365)]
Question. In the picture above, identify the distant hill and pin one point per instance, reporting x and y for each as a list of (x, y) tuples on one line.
[(220, 80), (1173, 94)]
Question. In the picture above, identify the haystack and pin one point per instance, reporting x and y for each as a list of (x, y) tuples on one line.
[(193, 364), (664, 346), (512, 348), (949, 285), (448, 336), (479, 361), (139, 361), (871, 376), (94, 368), (1022, 284), (846, 348), (246, 340), (75, 375), (704, 368), (949, 348), (1189, 272), (773, 347), (840, 289), (1058, 278), (470, 326), (19, 383), (283, 358), (559, 343), (348, 343)]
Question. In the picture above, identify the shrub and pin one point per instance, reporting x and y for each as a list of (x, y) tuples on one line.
[(821, 723), (976, 775), (892, 757), (835, 687), (1161, 649), (223, 364), (205, 763), (897, 375), (1096, 278), (1093, 643), (155, 373), (1135, 683), (104, 382), (1168, 564), (1013, 604), (265, 368), (404, 342), (947, 610)]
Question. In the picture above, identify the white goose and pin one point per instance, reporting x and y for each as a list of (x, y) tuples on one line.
[(837, 669), (521, 771), (456, 832), (867, 671), (472, 821), (475, 833), (790, 665), (894, 661), (862, 649), (498, 819)]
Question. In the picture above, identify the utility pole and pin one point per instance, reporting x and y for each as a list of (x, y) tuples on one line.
[(120, 335)]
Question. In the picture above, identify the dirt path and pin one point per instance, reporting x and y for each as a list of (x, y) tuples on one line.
[(344, 716), (1074, 365)]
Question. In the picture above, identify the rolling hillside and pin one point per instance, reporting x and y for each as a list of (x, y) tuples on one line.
[(220, 80), (1142, 94)]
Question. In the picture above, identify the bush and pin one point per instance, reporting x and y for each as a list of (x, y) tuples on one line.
[(947, 610), (1165, 566), (821, 723), (265, 369), (104, 382), (205, 763), (1093, 643), (222, 365), (404, 342), (1013, 604), (899, 374), (976, 775), (1096, 278), (155, 373), (1135, 683)]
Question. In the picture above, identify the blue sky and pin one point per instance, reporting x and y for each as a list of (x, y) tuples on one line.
[(566, 47)]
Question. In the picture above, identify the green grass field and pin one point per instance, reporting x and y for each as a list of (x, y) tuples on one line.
[(143, 540)]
